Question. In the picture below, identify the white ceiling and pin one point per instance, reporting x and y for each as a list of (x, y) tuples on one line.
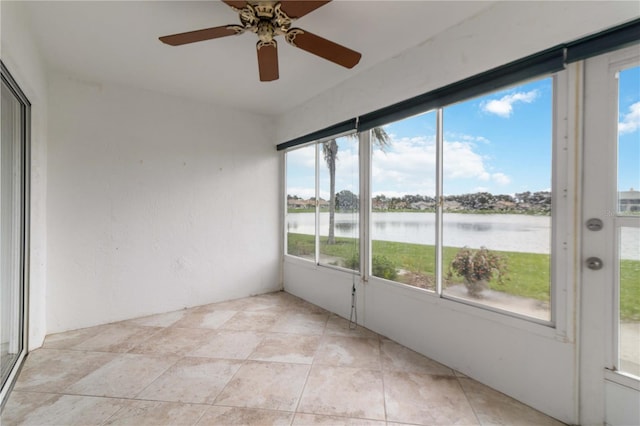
[(117, 42)]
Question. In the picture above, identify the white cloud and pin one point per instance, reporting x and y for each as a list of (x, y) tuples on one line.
[(501, 179), (503, 107), (631, 120), (461, 162), (390, 194), (304, 193), (408, 167), (302, 157), (466, 138)]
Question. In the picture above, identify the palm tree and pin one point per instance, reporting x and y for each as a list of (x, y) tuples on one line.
[(330, 152)]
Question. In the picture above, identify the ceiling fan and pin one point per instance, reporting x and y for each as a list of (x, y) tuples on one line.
[(269, 19)]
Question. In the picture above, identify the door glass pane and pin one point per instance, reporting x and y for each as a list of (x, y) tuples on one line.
[(301, 194), (629, 141), (629, 303), (497, 199), (339, 202), (11, 198), (403, 190), (629, 205)]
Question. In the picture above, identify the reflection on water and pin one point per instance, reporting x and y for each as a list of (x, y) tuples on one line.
[(508, 232), (390, 226), (473, 226), (347, 227), (499, 232)]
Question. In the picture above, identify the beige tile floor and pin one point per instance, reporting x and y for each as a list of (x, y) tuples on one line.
[(265, 360)]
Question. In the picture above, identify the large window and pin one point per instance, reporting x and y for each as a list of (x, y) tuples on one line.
[(460, 201), (339, 198), (322, 222), (497, 199), (301, 202), (403, 203)]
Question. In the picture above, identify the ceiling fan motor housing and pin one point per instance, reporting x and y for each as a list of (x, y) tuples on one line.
[(265, 31), (266, 19), (264, 9)]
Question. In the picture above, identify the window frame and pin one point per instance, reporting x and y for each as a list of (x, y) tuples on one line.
[(24, 232), (317, 144), (559, 260), (563, 182)]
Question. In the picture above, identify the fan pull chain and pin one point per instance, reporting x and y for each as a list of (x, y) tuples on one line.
[(353, 317)]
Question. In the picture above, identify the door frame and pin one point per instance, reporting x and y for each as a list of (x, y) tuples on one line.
[(603, 390)]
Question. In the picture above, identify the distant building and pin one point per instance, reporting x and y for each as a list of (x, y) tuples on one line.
[(378, 204), (295, 203), (298, 204), (421, 205), (629, 201), (452, 205), (504, 205)]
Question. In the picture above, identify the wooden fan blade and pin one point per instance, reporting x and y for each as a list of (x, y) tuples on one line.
[(297, 9), (268, 60), (201, 35), (322, 47), (236, 4)]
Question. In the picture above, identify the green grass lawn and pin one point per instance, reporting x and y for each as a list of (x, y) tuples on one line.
[(630, 290), (527, 273)]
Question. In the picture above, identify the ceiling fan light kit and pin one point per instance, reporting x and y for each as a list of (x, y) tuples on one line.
[(269, 19)]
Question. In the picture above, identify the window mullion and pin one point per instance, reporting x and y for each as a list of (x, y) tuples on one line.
[(439, 198), (365, 204), (317, 216)]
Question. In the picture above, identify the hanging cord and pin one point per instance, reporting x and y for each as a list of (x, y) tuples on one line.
[(353, 317)]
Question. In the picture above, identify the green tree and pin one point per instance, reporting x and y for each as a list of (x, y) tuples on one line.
[(379, 138), (347, 201)]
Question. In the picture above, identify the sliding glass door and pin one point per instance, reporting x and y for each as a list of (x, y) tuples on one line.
[(13, 183)]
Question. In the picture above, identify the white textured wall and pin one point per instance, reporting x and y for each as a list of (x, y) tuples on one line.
[(527, 361), (21, 56), (155, 203)]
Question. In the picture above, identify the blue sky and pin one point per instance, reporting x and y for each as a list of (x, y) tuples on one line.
[(629, 129), (500, 143)]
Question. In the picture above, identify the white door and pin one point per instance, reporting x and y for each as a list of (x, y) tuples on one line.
[(610, 284)]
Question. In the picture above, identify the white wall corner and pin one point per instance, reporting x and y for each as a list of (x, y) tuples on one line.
[(21, 55)]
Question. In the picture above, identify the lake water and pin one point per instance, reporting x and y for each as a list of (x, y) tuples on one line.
[(507, 232)]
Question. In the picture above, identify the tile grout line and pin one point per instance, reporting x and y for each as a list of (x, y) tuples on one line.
[(464, 392), (384, 392), (244, 362), (159, 375), (106, 421), (342, 416), (306, 379)]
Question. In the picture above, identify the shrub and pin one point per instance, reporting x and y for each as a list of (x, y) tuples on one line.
[(381, 266), (353, 262), (477, 267)]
